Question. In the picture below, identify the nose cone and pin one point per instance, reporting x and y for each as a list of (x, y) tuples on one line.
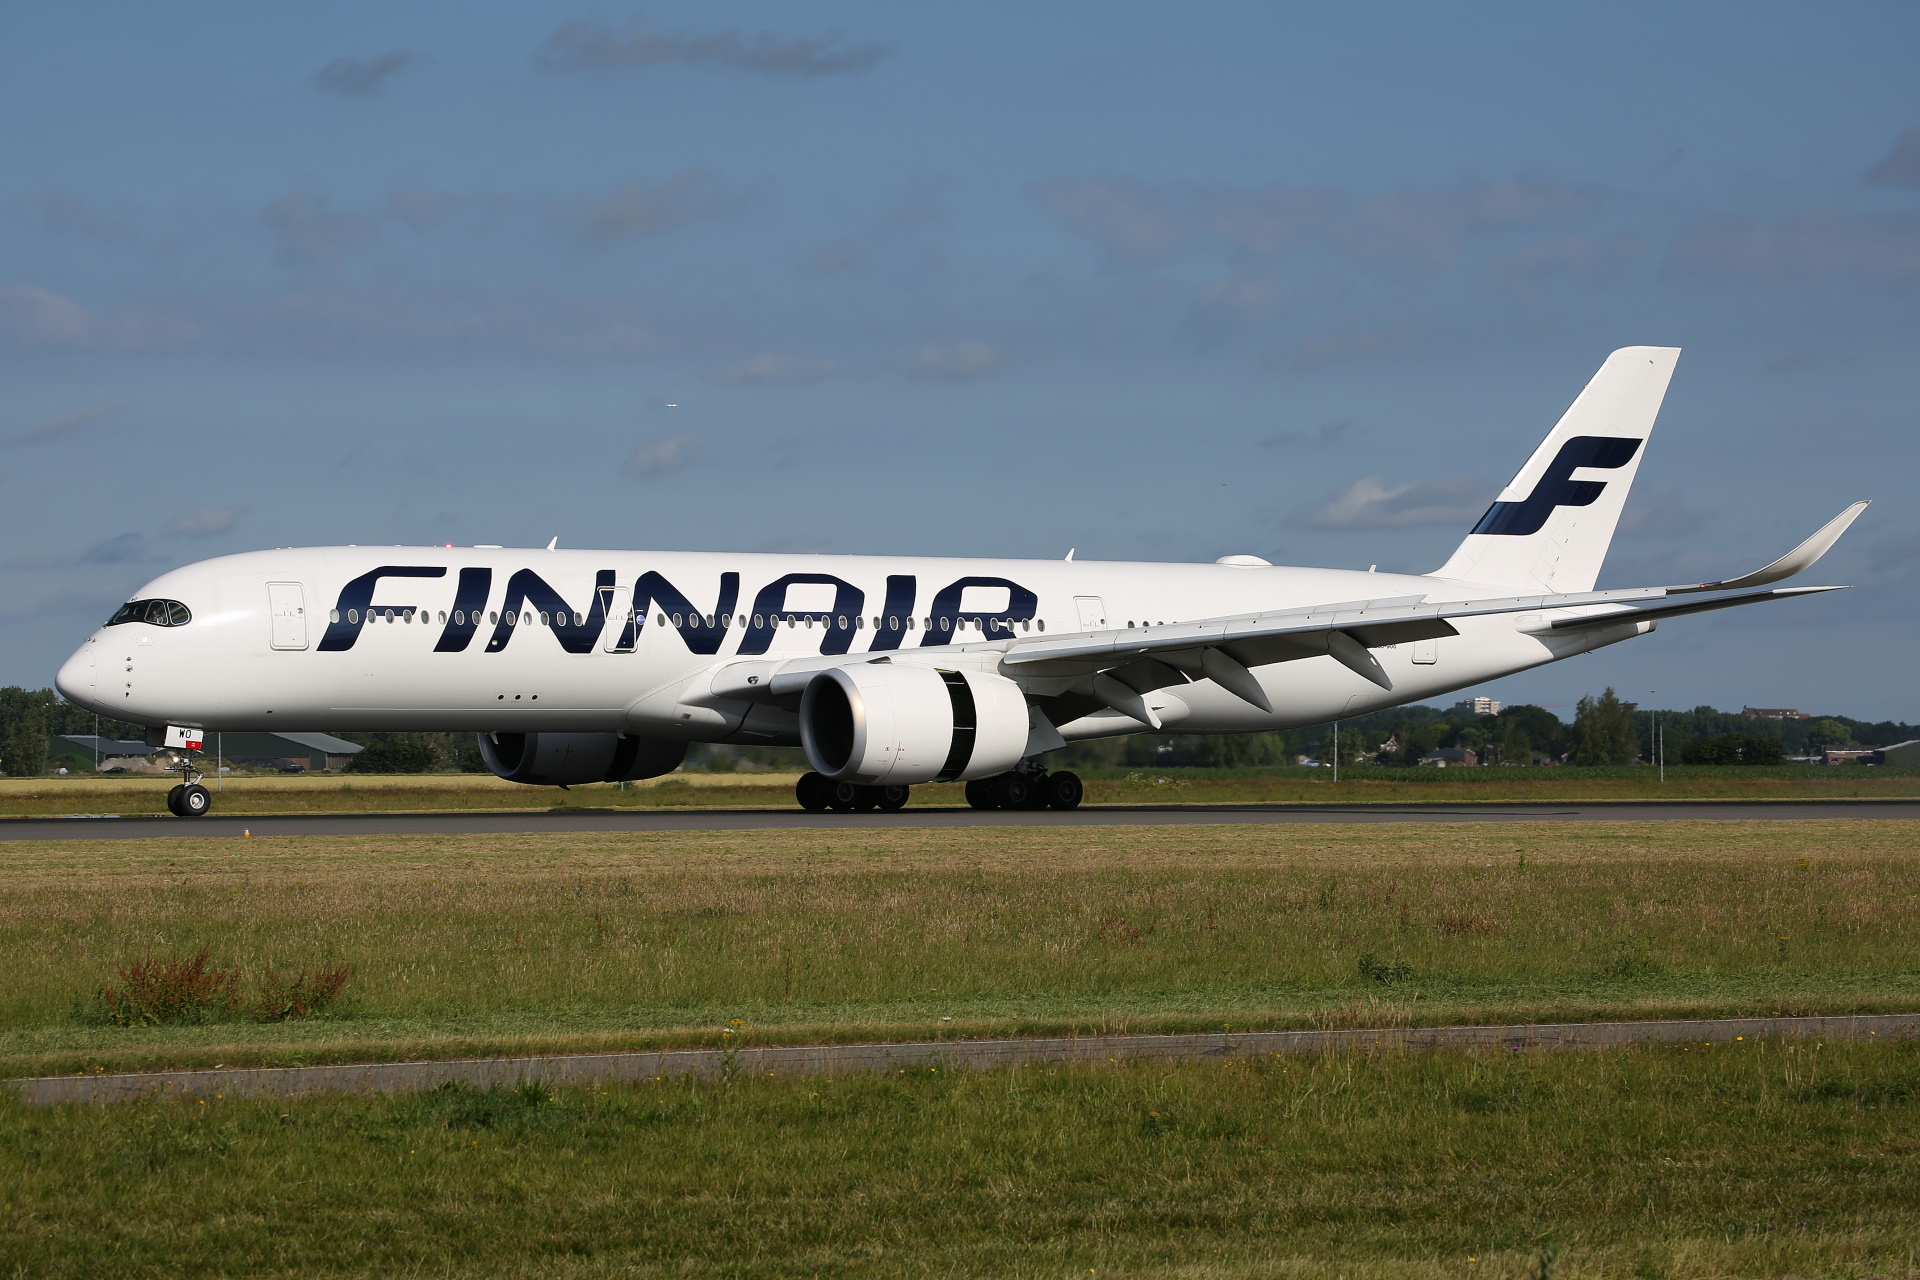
[(76, 679)]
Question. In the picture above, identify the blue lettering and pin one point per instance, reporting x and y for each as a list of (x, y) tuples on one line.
[(357, 595)]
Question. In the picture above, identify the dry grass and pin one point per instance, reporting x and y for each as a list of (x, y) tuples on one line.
[(361, 793), (465, 944)]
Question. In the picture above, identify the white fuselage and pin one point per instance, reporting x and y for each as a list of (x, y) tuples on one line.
[(402, 663)]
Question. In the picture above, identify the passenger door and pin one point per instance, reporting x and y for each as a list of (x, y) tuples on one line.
[(286, 603), (620, 628), (1093, 612)]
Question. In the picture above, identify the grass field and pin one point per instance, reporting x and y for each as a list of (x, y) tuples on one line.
[(1788, 1159), (347, 793), (464, 944), (1755, 1160)]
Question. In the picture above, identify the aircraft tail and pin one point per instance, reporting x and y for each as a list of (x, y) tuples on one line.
[(1550, 528)]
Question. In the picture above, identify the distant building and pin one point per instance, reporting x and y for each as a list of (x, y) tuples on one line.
[(1900, 753), (1454, 757), (1775, 713), (111, 752), (1478, 706), (1850, 755), (274, 750), (314, 751)]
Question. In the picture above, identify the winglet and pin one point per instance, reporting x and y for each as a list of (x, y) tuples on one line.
[(1801, 557)]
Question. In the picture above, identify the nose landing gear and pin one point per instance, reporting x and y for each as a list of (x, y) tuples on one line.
[(189, 800)]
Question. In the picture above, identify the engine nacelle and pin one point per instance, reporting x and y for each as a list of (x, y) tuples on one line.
[(893, 723), (567, 759)]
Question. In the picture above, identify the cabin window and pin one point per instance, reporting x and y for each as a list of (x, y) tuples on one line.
[(893, 624), (709, 620), (758, 623), (676, 619), (726, 620), (579, 618), (333, 615), (943, 624), (842, 620), (1043, 624)]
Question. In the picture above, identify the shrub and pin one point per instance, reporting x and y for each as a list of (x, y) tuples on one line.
[(152, 991), (1735, 748), (283, 996), (1374, 969), (394, 757)]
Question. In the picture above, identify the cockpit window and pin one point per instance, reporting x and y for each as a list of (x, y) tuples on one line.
[(155, 613)]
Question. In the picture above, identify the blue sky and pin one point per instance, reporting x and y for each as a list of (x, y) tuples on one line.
[(1303, 282)]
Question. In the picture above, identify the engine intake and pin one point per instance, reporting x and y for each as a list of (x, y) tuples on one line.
[(897, 724), (566, 759)]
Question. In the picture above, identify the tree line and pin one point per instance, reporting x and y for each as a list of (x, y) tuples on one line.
[(1604, 731)]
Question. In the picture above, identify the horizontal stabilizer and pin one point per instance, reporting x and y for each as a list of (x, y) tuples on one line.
[(1801, 557)]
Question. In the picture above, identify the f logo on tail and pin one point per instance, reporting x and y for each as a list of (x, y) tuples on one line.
[(1558, 488)]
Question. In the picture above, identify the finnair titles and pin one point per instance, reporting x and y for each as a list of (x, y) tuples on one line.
[(601, 666)]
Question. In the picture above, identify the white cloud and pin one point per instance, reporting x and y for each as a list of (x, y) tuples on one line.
[(1659, 515), (203, 522), (636, 208), (663, 455), (71, 214), (32, 318), (1901, 166), (591, 43), (769, 368), (1873, 249), (957, 361), (60, 424), (362, 75), (307, 230), (1371, 503)]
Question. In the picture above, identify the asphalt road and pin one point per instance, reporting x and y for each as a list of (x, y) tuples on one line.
[(570, 820)]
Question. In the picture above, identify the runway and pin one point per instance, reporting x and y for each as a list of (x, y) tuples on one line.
[(568, 820)]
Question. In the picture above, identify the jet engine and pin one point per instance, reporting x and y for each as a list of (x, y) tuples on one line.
[(891, 724), (565, 759)]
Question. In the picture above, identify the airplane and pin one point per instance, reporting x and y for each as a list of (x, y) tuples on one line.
[(575, 667)]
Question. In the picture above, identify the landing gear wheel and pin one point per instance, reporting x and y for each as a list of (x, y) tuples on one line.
[(980, 794), (811, 792), (845, 797), (1064, 790), (1012, 791), (866, 798), (173, 801), (892, 798), (194, 801)]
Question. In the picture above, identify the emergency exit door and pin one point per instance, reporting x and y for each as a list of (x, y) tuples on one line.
[(286, 603), (1093, 612)]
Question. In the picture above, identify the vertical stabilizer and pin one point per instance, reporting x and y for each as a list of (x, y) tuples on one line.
[(1550, 528)]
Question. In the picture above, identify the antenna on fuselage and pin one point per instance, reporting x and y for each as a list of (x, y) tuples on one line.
[(1070, 551), (555, 544)]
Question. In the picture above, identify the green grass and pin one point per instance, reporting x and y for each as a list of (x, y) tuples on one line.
[(361, 793), (1787, 1160), (461, 944)]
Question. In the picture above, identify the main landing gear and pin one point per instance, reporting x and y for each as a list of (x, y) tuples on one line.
[(1005, 791), (818, 794), (1061, 790)]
